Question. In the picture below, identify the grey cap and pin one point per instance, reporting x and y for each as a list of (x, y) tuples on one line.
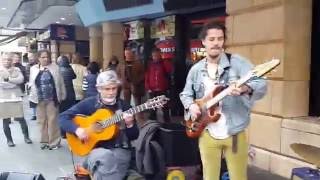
[(107, 77)]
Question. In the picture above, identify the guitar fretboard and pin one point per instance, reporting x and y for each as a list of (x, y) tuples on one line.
[(118, 117), (226, 91)]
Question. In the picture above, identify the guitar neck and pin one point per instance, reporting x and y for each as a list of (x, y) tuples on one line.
[(226, 91), (118, 117)]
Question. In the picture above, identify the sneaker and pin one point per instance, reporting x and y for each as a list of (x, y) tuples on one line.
[(54, 147), (11, 144), (27, 140), (44, 146)]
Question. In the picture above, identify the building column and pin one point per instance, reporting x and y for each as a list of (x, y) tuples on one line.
[(112, 41), (261, 30), (95, 38)]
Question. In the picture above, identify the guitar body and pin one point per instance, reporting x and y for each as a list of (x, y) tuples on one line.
[(95, 134), (195, 128)]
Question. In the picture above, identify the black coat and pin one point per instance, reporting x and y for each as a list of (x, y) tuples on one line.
[(68, 75)]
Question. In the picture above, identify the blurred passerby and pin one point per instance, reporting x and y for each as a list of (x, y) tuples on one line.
[(25, 58), (131, 73), (68, 76), (10, 79), (76, 57), (113, 63), (89, 81), (16, 61), (80, 70), (32, 60), (157, 79), (47, 91), (69, 56)]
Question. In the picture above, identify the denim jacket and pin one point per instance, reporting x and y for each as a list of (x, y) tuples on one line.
[(235, 108)]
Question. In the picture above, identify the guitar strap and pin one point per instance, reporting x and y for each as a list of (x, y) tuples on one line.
[(225, 79), (225, 76)]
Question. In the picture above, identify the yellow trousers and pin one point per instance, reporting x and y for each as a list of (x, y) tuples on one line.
[(211, 150)]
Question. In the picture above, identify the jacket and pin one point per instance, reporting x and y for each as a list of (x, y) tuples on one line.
[(157, 75), (58, 81), (28, 67), (68, 76), (135, 81), (89, 85), (10, 88), (236, 108), (80, 71)]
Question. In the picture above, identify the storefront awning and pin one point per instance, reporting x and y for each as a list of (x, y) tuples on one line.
[(94, 12)]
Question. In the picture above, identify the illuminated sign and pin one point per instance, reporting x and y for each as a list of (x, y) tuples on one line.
[(62, 32), (122, 4)]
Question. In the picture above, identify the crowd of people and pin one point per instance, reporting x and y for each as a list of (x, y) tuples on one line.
[(53, 87), (60, 90)]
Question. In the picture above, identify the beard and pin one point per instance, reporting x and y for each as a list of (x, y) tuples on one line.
[(215, 55), (109, 100)]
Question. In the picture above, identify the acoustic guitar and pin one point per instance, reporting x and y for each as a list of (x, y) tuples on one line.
[(102, 125), (209, 103)]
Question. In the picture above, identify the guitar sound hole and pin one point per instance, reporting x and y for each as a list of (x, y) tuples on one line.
[(97, 127)]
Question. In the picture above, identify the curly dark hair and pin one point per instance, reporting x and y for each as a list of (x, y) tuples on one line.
[(212, 25)]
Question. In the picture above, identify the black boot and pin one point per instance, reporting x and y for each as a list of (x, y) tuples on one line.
[(25, 130), (7, 132)]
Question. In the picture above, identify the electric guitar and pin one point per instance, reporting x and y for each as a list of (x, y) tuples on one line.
[(101, 125), (209, 103)]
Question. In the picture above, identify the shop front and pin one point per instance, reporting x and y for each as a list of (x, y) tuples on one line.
[(63, 39)]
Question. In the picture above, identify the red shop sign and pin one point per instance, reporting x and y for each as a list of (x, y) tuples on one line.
[(167, 47), (196, 45)]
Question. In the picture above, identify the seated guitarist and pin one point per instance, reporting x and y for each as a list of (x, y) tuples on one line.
[(109, 159), (227, 135)]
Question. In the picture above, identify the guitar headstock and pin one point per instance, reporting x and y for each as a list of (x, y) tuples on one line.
[(264, 68), (157, 102)]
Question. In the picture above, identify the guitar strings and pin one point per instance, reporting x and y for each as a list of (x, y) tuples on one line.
[(118, 117)]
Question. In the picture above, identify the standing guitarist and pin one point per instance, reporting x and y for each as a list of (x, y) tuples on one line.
[(227, 135), (109, 159)]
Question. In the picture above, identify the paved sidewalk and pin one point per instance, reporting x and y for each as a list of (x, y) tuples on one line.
[(55, 163)]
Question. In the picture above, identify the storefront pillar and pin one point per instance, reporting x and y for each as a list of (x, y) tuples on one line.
[(95, 37), (112, 41)]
